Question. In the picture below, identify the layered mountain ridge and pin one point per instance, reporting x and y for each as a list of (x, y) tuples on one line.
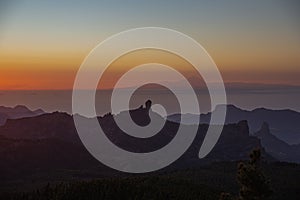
[(50, 142), (276, 147), (17, 112), (284, 124)]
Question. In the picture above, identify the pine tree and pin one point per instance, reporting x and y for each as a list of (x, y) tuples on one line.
[(252, 181)]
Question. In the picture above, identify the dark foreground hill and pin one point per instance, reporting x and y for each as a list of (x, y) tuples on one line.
[(203, 183)]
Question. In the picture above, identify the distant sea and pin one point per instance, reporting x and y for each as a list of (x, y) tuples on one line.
[(249, 98)]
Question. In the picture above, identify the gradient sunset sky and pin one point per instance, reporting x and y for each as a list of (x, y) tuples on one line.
[(43, 43)]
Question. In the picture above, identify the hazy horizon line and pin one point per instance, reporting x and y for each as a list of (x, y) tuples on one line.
[(228, 85)]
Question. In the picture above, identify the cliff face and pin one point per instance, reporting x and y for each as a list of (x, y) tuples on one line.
[(276, 147), (285, 124), (235, 143)]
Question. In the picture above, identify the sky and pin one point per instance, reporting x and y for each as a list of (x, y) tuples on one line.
[(43, 43)]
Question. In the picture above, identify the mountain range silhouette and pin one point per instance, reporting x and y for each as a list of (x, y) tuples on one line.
[(284, 124), (49, 143), (46, 147), (17, 112)]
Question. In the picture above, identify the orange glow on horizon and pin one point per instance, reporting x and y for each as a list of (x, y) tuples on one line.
[(57, 71)]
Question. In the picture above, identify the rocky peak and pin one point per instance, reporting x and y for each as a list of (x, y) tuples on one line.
[(148, 104), (264, 130), (243, 127)]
